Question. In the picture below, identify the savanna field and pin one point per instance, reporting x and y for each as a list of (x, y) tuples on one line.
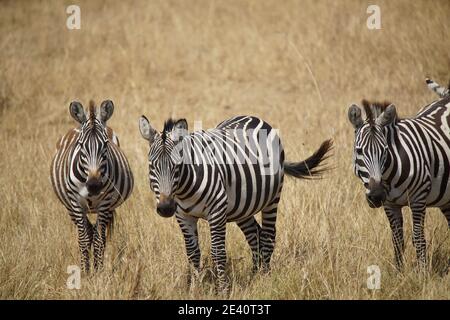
[(296, 64)]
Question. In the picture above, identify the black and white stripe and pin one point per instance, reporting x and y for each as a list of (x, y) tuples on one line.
[(90, 174), (404, 162), (438, 89), (225, 174)]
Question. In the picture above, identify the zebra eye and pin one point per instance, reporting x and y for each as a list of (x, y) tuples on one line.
[(358, 150)]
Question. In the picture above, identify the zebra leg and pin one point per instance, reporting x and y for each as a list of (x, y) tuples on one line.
[(395, 217), (268, 232), (446, 213), (188, 226), (217, 225), (85, 234), (252, 231), (103, 220), (418, 215)]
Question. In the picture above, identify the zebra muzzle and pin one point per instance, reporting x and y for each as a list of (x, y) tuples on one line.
[(376, 195), (94, 186), (166, 206)]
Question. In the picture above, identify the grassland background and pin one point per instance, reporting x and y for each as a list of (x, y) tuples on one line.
[(209, 60)]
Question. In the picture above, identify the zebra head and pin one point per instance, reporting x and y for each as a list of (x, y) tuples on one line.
[(164, 161), (371, 149), (92, 144), (441, 91)]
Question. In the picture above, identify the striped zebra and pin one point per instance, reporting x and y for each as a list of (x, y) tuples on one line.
[(404, 162), (441, 91), (90, 174), (225, 174)]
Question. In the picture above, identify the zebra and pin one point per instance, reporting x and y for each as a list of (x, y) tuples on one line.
[(404, 162), (225, 174), (90, 174), (439, 90)]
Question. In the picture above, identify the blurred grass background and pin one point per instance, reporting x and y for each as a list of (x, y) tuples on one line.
[(206, 61)]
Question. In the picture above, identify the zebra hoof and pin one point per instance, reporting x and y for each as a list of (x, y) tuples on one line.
[(255, 270), (98, 267), (265, 268), (223, 289), (260, 269), (195, 278), (399, 267), (222, 286), (422, 269)]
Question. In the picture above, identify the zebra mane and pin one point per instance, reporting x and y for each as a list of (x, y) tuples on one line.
[(92, 116), (168, 126), (92, 110), (374, 109)]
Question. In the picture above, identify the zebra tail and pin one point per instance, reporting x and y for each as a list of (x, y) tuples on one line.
[(312, 167)]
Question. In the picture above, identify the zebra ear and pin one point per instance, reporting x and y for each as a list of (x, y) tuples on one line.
[(387, 117), (106, 110), (354, 115), (180, 129), (77, 111), (147, 132)]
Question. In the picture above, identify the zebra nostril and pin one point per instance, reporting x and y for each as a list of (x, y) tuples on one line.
[(376, 199), (166, 209), (94, 186)]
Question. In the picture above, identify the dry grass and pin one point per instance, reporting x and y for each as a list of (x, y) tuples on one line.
[(208, 60)]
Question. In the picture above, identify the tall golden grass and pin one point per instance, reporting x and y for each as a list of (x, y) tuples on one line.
[(297, 64)]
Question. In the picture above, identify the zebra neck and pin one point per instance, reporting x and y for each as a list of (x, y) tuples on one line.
[(390, 169), (186, 172)]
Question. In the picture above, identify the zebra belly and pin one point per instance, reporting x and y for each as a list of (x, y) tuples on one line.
[(250, 198), (193, 207), (440, 194), (202, 211), (100, 203)]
